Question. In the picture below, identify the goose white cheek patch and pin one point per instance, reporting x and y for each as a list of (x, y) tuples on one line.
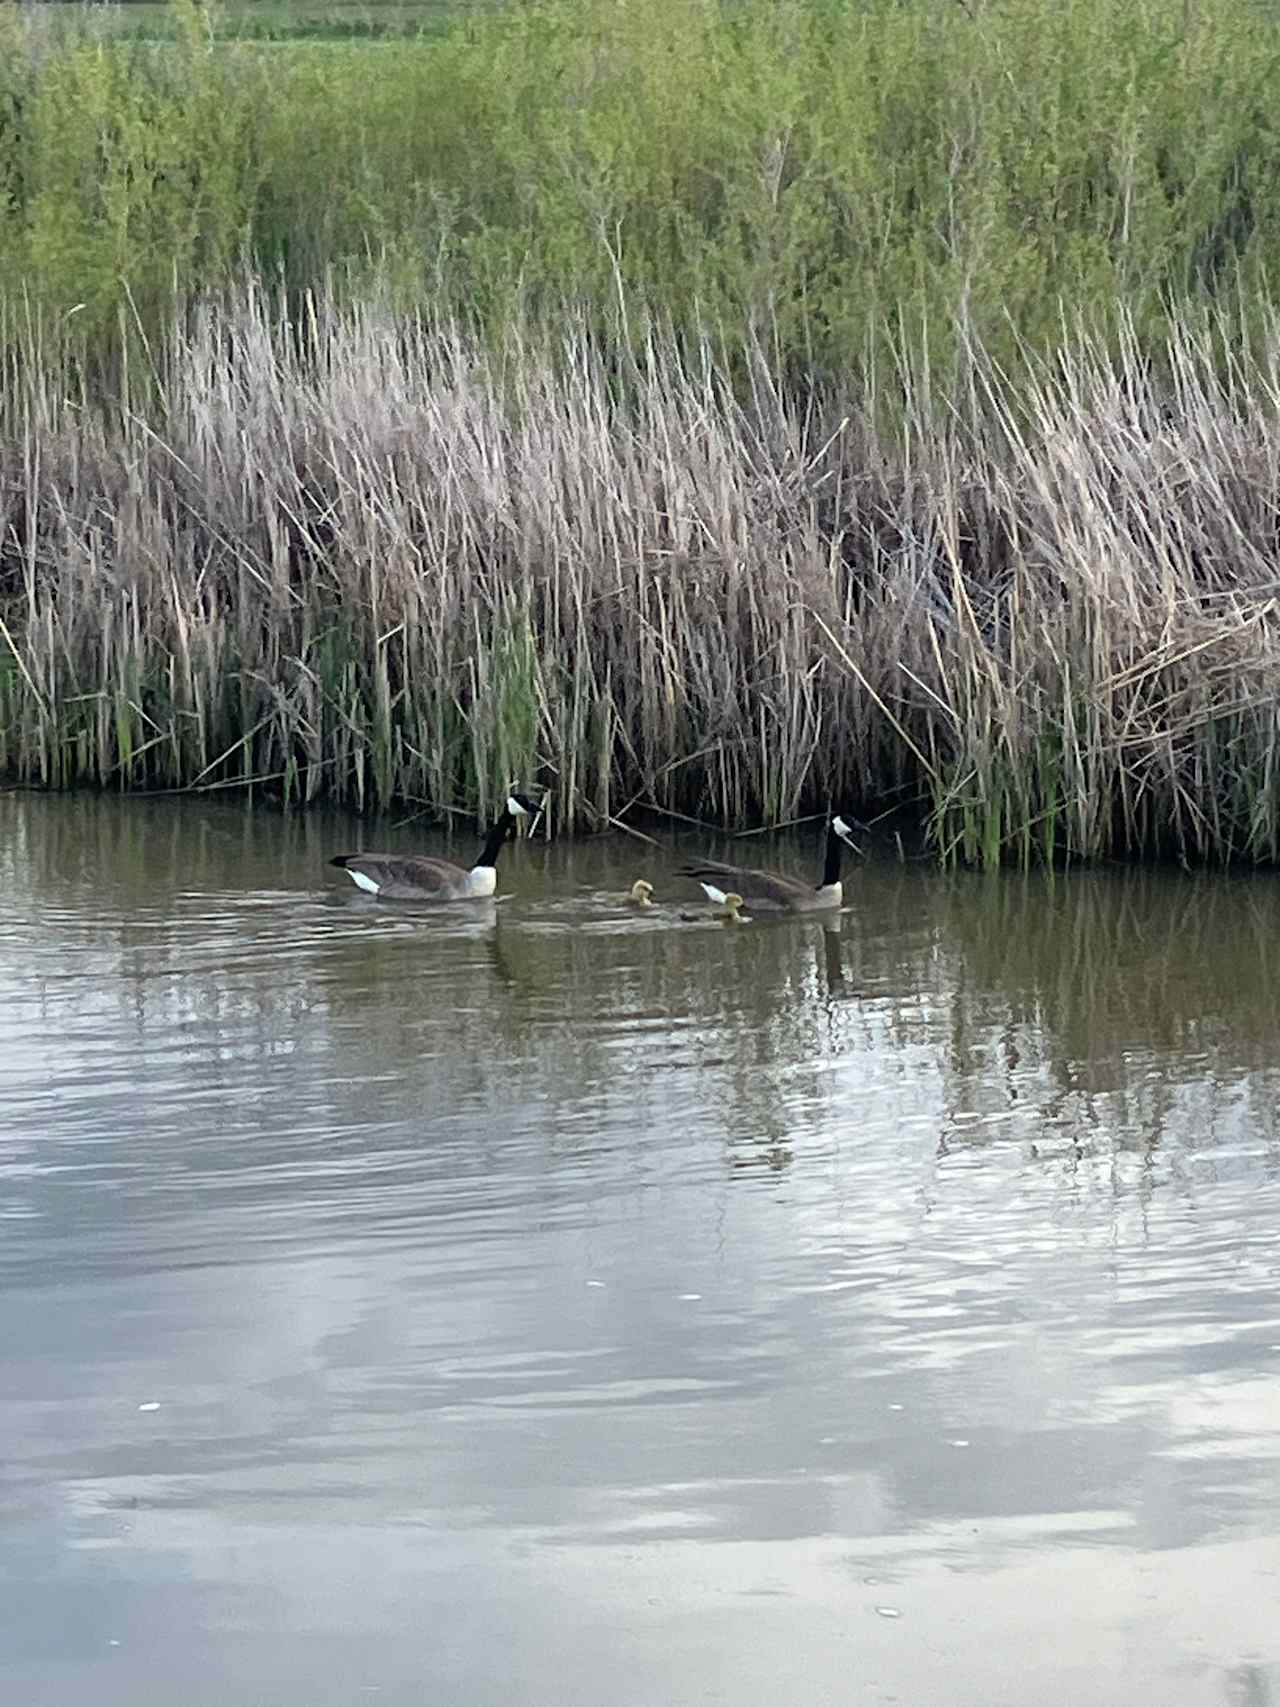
[(363, 882), (712, 893)]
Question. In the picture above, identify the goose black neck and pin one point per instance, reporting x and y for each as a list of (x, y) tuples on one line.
[(835, 857), (496, 837)]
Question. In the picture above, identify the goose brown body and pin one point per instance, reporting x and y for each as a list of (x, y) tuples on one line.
[(420, 877), (775, 891)]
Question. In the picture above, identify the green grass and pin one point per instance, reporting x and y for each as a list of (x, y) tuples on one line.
[(832, 175), (252, 20)]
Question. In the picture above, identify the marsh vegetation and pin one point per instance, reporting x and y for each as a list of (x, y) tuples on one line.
[(715, 410)]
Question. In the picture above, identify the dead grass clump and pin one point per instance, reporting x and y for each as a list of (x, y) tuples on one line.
[(367, 558)]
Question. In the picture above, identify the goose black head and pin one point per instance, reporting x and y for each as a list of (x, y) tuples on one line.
[(843, 826), (521, 805)]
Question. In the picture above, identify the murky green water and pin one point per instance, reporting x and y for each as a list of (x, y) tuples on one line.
[(539, 1303)]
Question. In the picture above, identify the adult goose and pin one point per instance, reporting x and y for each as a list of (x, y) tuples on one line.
[(773, 891), (417, 877)]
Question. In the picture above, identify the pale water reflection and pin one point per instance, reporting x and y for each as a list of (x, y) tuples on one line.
[(538, 1301)]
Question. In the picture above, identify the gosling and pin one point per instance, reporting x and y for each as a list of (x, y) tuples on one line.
[(728, 911), (641, 893)]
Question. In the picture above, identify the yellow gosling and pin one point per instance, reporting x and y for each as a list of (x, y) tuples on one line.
[(641, 894), (727, 911)]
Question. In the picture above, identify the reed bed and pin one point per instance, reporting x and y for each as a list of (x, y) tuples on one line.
[(669, 401), (363, 556)]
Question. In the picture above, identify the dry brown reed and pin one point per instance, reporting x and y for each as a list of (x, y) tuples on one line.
[(359, 556)]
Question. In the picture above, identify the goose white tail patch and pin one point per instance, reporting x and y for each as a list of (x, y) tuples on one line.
[(482, 880), (714, 894), (364, 882)]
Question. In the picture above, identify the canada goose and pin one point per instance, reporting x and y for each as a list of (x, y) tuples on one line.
[(770, 891), (641, 893), (729, 912), (416, 877)]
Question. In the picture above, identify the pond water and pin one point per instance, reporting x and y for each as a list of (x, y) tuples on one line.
[(539, 1302)]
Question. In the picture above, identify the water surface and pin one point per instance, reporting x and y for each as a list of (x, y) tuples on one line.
[(538, 1302)]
